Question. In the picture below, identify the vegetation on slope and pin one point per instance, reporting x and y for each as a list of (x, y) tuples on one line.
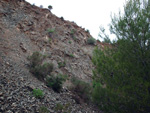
[(122, 74)]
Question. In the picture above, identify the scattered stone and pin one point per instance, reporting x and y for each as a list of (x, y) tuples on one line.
[(9, 111), (1, 93), (30, 87), (1, 98), (23, 48), (14, 105), (21, 79), (7, 63)]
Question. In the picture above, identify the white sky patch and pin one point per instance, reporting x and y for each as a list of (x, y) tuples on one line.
[(90, 14)]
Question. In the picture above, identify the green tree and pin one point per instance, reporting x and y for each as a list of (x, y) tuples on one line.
[(104, 36), (122, 75)]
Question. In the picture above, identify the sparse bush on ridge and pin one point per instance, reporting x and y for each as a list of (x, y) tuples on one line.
[(50, 7), (91, 41), (87, 31), (62, 18), (72, 33)]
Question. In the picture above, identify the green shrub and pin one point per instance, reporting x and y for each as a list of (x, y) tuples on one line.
[(81, 88), (38, 93), (69, 42), (42, 71), (72, 33), (51, 30), (36, 59), (74, 38), (50, 7), (61, 64), (49, 40), (43, 109), (62, 18), (56, 82), (105, 99), (124, 69), (59, 107), (63, 107), (87, 31), (71, 55), (37, 68), (91, 41), (124, 92)]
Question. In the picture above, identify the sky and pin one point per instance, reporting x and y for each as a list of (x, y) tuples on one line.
[(89, 14)]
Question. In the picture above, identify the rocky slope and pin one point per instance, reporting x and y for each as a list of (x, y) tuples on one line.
[(24, 30)]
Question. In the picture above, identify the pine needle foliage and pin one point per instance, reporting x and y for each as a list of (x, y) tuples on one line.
[(122, 76)]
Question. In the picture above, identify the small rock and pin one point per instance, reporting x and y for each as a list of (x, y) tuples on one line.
[(51, 111), (14, 105), (21, 79), (1, 94), (53, 99), (23, 48), (33, 98), (57, 98), (17, 55), (9, 98), (1, 98), (76, 56), (7, 63), (33, 33), (9, 111), (30, 87)]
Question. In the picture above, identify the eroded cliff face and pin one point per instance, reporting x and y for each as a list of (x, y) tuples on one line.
[(25, 29)]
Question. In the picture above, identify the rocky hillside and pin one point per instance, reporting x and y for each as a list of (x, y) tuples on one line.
[(25, 29)]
